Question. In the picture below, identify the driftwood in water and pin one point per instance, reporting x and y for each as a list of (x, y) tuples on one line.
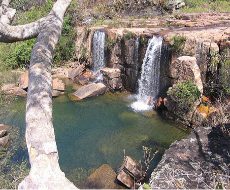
[(130, 174)]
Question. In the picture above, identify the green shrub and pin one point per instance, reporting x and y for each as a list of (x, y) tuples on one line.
[(205, 6), (33, 14), (65, 48), (184, 95), (18, 54), (129, 35), (110, 43), (178, 44)]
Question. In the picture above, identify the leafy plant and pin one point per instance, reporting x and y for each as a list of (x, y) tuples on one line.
[(65, 48), (177, 44), (110, 43), (129, 35), (19, 54), (184, 95)]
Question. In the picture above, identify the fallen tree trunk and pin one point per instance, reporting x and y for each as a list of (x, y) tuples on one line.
[(45, 172)]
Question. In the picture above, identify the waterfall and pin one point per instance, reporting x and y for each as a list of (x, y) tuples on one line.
[(150, 75), (98, 51), (136, 55)]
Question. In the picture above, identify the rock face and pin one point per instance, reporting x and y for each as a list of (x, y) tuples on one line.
[(89, 90), (186, 67), (103, 178), (112, 79), (192, 163)]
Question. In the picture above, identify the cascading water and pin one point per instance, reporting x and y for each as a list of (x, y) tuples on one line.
[(136, 53), (98, 52), (150, 76)]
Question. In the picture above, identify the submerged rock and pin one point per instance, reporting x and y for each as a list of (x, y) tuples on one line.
[(93, 89), (4, 136), (103, 178)]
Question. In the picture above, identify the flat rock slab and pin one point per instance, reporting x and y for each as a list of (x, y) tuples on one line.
[(89, 90)]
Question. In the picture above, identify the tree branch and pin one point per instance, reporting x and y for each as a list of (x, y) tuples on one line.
[(45, 172), (23, 32)]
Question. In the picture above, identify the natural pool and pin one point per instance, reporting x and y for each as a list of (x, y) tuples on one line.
[(97, 130)]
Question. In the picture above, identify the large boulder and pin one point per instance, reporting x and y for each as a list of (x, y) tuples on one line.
[(112, 78), (186, 67), (23, 81), (8, 88), (19, 92), (199, 161), (89, 90), (171, 5)]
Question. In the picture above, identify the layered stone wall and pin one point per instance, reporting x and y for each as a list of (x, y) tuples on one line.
[(122, 52)]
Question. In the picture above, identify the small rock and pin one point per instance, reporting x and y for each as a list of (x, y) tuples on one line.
[(8, 87), (19, 92), (56, 93), (23, 81), (4, 141), (2, 133), (58, 85), (72, 73)]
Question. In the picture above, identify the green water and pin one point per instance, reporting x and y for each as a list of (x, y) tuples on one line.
[(97, 130)]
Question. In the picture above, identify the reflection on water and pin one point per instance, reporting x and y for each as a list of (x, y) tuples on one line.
[(95, 131)]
